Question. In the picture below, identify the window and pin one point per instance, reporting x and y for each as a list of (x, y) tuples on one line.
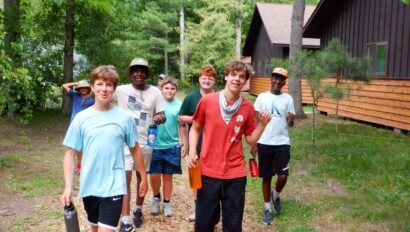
[(377, 53)]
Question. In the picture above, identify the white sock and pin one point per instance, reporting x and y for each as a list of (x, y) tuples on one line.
[(137, 207), (275, 194), (126, 219), (267, 206), (165, 204)]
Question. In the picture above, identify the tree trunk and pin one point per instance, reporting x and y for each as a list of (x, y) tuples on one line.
[(313, 134), (182, 41), (68, 53), (295, 81), (11, 27), (239, 19), (166, 57)]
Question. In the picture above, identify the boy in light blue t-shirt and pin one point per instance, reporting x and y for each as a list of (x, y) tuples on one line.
[(166, 157), (100, 132)]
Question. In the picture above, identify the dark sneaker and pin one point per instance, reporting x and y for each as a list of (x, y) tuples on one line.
[(267, 217), (126, 228), (138, 218), (277, 205)]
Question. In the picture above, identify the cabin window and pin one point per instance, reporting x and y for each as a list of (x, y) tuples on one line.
[(377, 53)]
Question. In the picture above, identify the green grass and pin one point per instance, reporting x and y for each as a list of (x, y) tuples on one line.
[(372, 167)]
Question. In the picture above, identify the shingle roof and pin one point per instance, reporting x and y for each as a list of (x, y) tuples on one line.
[(277, 20)]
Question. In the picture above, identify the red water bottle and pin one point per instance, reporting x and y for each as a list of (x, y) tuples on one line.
[(253, 167)]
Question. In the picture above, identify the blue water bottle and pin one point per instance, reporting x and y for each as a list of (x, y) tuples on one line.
[(152, 135)]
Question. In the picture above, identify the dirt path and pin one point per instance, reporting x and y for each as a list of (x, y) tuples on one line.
[(182, 204)]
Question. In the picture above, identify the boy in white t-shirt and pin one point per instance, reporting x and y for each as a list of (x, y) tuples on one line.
[(273, 147)]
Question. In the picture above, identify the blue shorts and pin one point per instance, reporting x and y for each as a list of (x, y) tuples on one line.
[(166, 161)]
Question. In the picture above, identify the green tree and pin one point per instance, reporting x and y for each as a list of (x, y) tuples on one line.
[(339, 62)]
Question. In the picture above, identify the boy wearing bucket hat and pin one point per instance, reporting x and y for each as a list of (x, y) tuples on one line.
[(146, 104), (273, 147), (81, 100)]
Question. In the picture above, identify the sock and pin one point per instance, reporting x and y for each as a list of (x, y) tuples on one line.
[(268, 207), (136, 207), (166, 201), (126, 219), (275, 194), (166, 204), (158, 196)]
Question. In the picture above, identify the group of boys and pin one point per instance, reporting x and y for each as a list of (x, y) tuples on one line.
[(114, 142)]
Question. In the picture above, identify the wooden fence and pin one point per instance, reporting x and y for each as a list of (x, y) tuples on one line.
[(384, 102)]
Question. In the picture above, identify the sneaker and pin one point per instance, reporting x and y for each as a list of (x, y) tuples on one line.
[(138, 218), (191, 218), (267, 217), (126, 228), (167, 210), (155, 205), (277, 205)]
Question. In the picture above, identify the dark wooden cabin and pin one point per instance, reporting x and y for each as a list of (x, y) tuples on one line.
[(269, 37), (380, 30)]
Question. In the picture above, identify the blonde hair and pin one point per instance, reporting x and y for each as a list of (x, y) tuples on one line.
[(169, 80)]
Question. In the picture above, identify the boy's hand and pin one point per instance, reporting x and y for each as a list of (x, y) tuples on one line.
[(264, 118), (143, 187), (66, 197), (254, 150), (291, 117), (192, 159), (183, 150)]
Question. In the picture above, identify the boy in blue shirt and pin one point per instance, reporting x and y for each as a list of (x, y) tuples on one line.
[(100, 132)]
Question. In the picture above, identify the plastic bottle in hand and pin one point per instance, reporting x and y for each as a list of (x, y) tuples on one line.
[(195, 180), (253, 167), (71, 219), (152, 135)]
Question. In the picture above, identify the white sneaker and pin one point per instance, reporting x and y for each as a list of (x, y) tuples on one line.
[(167, 210), (191, 218), (155, 205)]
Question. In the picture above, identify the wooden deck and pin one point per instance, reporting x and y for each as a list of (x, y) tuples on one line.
[(384, 102)]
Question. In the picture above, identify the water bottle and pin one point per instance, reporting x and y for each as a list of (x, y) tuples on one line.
[(253, 167), (195, 180), (71, 219), (152, 135)]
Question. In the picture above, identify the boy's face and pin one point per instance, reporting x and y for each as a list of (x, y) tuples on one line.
[(103, 91), (277, 83), (169, 90), (235, 80), (206, 82), (138, 74), (83, 91)]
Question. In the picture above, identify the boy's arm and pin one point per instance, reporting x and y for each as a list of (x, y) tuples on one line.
[(139, 159), (187, 119), (193, 142), (68, 167), (263, 119), (183, 133), (67, 86)]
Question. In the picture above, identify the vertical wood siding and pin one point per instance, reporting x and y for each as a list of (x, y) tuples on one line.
[(359, 22)]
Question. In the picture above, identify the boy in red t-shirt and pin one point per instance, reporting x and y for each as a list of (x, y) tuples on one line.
[(225, 116)]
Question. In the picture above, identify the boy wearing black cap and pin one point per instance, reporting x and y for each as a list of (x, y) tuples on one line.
[(273, 147)]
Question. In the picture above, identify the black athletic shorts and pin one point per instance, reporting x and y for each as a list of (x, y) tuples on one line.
[(273, 160), (103, 211)]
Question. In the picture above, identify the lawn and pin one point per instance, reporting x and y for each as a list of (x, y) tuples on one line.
[(358, 181)]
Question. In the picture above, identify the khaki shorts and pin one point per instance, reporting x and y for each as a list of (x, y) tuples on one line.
[(129, 161)]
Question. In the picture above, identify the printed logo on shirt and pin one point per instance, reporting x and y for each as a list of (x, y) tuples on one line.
[(138, 111)]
